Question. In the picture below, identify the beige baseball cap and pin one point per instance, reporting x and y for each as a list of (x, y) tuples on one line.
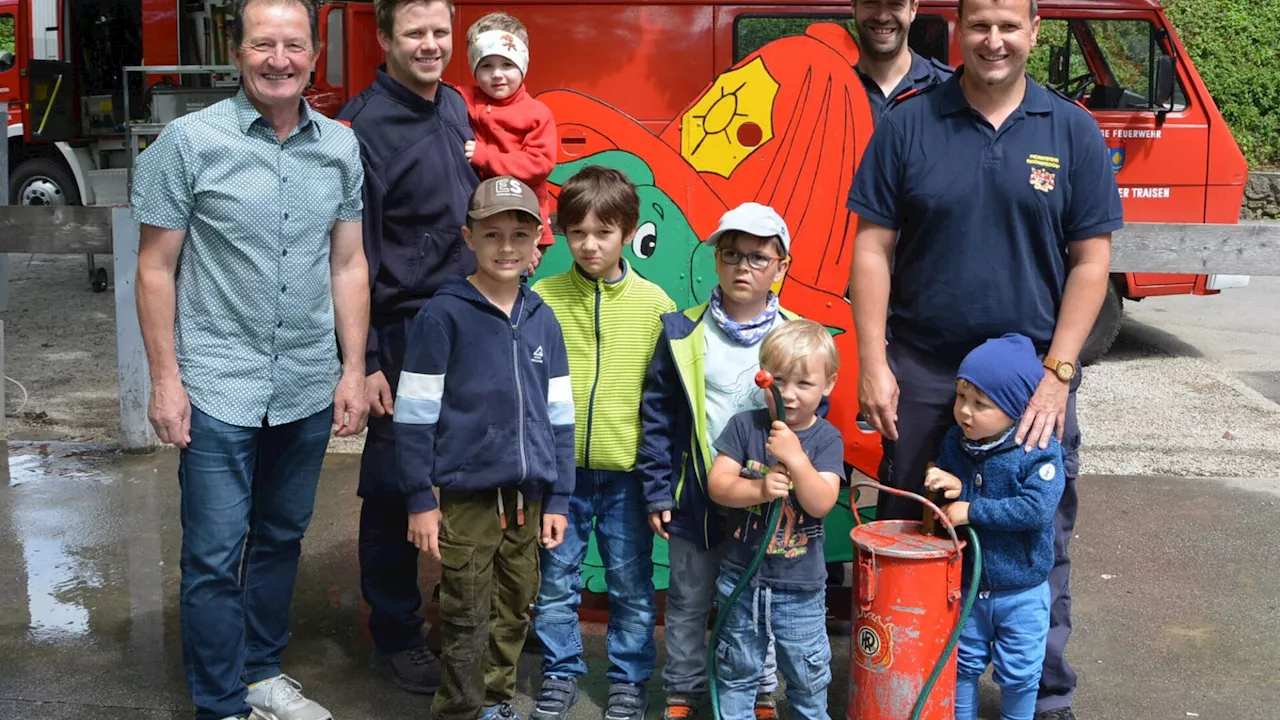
[(500, 194)]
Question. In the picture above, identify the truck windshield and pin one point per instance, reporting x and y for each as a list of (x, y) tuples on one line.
[(1105, 64)]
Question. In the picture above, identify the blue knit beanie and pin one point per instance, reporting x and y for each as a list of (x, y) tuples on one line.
[(1007, 369)]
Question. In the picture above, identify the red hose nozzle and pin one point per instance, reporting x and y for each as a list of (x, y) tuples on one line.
[(764, 379)]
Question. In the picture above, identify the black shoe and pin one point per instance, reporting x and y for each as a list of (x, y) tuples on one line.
[(627, 701), (555, 698), (1059, 714), (416, 670)]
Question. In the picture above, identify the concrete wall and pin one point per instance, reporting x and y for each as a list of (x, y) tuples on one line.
[(1262, 196)]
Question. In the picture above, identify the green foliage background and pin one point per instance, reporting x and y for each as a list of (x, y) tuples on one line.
[(6, 35), (1236, 46)]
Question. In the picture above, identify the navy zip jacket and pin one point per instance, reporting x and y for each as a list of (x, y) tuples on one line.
[(1012, 498), (416, 189), (484, 400)]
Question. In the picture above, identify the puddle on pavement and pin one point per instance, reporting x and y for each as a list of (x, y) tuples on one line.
[(55, 503), (35, 463)]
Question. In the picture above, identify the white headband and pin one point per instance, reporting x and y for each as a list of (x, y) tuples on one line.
[(502, 44)]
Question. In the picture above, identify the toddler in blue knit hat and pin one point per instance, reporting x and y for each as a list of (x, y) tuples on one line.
[(1008, 495)]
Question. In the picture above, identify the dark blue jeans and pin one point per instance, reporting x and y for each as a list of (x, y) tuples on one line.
[(613, 504), (247, 497)]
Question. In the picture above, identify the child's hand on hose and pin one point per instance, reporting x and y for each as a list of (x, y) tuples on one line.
[(424, 531), (553, 527), (658, 522), (783, 443), (938, 479), (777, 484)]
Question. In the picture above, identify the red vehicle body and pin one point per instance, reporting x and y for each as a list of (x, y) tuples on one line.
[(640, 82)]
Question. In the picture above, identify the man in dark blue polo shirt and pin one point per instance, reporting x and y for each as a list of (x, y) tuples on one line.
[(887, 66), (992, 200), (412, 129)]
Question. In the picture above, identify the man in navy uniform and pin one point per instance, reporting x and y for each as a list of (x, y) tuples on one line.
[(412, 129), (887, 66), (986, 206)]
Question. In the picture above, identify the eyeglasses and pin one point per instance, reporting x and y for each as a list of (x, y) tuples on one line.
[(756, 261)]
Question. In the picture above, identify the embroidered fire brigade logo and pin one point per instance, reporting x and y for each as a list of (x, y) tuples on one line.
[(1042, 179), (875, 643)]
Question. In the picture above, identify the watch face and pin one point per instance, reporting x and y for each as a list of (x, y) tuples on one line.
[(1066, 371)]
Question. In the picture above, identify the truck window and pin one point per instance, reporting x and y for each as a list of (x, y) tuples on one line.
[(928, 36), (1105, 64), (335, 47), (8, 46)]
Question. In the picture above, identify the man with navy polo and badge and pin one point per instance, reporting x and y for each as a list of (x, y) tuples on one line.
[(887, 66), (986, 206)]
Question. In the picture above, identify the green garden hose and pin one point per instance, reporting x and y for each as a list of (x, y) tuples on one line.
[(765, 380)]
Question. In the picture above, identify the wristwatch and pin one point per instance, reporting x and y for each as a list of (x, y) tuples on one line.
[(1064, 370)]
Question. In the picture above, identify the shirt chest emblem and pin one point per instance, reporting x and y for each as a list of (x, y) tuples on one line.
[(1042, 179), (1043, 171)]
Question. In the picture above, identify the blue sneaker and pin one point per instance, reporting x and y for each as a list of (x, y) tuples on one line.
[(555, 698), (501, 711), (626, 702)]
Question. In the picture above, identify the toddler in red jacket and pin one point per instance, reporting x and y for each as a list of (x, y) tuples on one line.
[(515, 133)]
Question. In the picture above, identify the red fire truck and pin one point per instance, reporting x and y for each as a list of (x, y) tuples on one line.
[(63, 80)]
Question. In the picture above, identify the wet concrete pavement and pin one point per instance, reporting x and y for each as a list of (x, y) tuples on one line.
[(1176, 584)]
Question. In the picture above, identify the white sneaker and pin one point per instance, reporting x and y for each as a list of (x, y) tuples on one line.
[(281, 698)]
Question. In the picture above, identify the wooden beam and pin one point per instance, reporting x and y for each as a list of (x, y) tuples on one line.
[(67, 230), (1249, 248)]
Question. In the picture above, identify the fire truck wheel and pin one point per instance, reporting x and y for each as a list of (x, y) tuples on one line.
[(1105, 329), (41, 181)]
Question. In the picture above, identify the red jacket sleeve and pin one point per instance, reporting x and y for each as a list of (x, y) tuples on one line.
[(532, 162)]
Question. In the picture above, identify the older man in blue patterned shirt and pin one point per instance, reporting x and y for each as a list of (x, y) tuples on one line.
[(251, 258)]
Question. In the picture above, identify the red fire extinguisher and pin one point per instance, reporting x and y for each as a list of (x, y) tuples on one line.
[(907, 617)]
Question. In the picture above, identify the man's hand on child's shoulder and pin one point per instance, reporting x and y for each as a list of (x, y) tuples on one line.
[(658, 522), (424, 531), (553, 529), (783, 444), (935, 478)]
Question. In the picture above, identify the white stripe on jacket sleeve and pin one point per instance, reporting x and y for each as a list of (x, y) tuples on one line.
[(418, 398), (560, 401)]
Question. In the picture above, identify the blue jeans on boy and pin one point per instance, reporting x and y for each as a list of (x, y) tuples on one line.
[(797, 620), (613, 503), (1007, 628), (247, 497)]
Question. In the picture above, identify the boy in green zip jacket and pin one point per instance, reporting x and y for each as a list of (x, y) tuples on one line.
[(611, 318), (702, 374)]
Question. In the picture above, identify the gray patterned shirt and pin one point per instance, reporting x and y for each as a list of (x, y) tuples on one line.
[(254, 332)]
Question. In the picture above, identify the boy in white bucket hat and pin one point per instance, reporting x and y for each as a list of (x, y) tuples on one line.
[(515, 133)]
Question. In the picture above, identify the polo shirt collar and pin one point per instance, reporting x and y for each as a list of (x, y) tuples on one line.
[(247, 114), (1035, 101), (920, 69)]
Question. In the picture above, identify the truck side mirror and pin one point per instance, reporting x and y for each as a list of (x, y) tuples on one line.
[(1058, 60), (6, 60), (1164, 81)]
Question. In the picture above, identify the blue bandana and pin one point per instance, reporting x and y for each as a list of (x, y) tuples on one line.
[(747, 333)]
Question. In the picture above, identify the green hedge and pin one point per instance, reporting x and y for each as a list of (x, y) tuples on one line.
[(6, 35), (1236, 46)]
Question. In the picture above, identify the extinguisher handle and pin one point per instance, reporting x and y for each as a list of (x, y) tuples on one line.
[(946, 523)]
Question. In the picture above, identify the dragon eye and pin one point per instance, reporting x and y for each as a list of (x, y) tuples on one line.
[(645, 241)]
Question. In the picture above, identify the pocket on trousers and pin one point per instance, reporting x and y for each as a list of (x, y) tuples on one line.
[(817, 668), (458, 582)]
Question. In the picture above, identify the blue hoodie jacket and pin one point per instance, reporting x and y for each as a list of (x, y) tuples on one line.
[(484, 400), (1013, 496), (417, 185)]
